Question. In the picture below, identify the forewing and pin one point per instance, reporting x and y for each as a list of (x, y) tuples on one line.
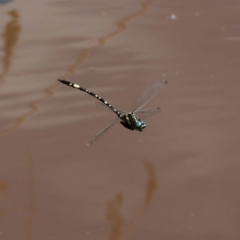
[(145, 113), (104, 107), (148, 94), (101, 133)]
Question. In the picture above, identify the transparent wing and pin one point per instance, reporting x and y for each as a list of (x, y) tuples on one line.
[(145, 113), (101, 133), (148, 94), (104, 107)]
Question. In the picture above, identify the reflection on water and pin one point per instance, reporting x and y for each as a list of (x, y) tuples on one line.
[(5, 1), (34, 107), (114, 216), (49, 92), (113, 207), (151, 183), (10, 37), (151, 187), (121, 24), (3, 187)]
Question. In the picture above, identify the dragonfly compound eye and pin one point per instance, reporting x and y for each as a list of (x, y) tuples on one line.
[(140, 125)]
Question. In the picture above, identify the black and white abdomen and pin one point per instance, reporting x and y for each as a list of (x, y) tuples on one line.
[(90, 93)]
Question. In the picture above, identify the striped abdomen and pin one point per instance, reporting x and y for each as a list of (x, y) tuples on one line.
[(90, 93)]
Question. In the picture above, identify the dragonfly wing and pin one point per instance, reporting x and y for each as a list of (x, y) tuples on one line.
[(148, 94), (145, 113), (105, 107), (101, 133)]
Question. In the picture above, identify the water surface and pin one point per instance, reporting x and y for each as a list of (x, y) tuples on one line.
[(178, 179)]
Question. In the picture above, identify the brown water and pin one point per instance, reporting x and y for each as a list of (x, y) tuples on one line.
[(179, 179)]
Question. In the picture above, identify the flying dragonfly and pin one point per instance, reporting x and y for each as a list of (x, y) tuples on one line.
[(131, 120)]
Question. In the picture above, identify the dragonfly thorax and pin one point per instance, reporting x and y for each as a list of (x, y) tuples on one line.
[(130, 121)]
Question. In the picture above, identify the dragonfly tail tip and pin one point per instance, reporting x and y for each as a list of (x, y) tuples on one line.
[(62, 81)]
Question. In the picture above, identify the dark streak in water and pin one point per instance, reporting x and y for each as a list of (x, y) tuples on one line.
[(10, 37), (101, 41), (114, 216), (113, 207), (151, 187), (34, 106), (151, 183)]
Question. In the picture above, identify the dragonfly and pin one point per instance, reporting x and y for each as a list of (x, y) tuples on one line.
[(132, 120)]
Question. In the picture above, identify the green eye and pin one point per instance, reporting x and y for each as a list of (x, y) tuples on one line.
[(140, 124)]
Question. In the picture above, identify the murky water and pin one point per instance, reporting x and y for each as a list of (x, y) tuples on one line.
[(179, 179)]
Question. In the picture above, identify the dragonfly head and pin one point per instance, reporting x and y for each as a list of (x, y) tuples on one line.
[(140, 125)]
